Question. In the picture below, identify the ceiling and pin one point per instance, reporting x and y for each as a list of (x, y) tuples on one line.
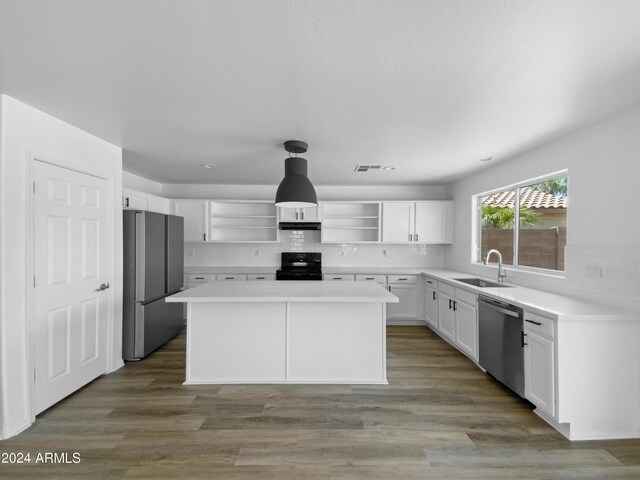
[(429, 86)]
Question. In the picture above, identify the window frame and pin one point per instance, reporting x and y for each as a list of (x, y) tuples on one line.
[(476, 230)]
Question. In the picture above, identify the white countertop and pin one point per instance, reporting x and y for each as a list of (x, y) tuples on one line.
[(285, 291), (536, 301)]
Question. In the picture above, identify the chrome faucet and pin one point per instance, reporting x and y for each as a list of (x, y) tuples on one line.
[(501, 272)]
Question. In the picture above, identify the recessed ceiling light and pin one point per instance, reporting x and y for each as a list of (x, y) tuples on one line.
[(209, 165), (486, 159), (389, 167)]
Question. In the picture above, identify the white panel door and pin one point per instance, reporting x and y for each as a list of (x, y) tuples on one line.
[(397, 222), (70, 265)]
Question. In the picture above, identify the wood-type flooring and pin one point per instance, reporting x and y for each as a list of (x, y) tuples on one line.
[(439, 417)]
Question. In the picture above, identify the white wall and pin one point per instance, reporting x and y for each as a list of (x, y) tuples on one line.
[(325, 193), (604, 170), (25, 131)]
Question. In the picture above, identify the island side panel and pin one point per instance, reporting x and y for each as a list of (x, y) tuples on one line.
[(230, 342), (336, 343)]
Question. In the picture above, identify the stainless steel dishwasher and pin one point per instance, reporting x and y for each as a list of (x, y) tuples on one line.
[(500, 341)]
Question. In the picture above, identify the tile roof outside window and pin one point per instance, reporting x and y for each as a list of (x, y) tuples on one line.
[(528, 198)]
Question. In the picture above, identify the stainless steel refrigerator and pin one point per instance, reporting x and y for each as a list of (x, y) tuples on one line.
[(153, 253)]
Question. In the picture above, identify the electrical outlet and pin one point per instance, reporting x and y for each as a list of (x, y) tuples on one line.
[(192, 253), (257, 252), (385, 253)]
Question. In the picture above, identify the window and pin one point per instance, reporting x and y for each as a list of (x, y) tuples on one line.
[(526, 223)]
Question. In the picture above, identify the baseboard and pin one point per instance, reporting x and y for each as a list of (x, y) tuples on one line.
[(18, 428)]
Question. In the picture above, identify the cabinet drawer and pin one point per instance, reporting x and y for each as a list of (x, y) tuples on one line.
[(446, 289), (539, 324), (403, 279), (372, 278), (431, 282), (200, 278), (261, 276), (338, 277), (226, 277), (466, 297)]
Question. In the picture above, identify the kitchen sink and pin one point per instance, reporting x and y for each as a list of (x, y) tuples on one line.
[(479, 282)]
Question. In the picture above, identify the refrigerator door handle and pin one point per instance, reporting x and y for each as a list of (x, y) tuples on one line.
[(138, 346)]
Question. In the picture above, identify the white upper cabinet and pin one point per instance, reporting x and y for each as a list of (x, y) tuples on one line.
[(421, 222), (398, 221), (159, 204), (350, 222), (134, 200), (196, 219), (243, 222), (303, 214), (433, 222)]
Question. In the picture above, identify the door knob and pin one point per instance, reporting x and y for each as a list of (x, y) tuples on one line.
[(102, 287)]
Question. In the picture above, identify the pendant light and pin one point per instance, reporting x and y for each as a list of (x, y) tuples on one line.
[(295, 190)]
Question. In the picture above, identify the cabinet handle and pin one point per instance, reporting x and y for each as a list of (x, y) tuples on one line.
[(370, 278), (229, 278), (204, 237), (531, 321), (416, 237), (402, 279), (455, 305), (389, 287), (259, 278), (429, 281), (126, 202), (297, 214), (450, 303), (199, 278), (434, 295), (337, 278), (410, 238), (524, 344), (302, 215)]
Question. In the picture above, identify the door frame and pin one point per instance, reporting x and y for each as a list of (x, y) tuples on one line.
[(33, 156)]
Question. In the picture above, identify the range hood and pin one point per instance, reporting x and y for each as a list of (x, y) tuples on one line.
[(299, 225)]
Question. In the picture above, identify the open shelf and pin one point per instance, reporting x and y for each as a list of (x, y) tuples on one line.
[(351, 222), (243, 222)]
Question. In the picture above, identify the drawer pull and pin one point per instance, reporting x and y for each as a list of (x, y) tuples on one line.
[(229, 278), (259, 278), (199, 278), (531, 321), (337, 278), (434, 295), (429, 281), (402, 279), (370, 278)]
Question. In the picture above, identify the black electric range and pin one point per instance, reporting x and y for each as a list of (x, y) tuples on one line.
[(300, 266)]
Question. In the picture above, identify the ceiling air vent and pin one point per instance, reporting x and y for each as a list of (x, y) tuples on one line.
[(366, 168)]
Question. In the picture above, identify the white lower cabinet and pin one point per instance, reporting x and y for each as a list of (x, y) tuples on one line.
[(407, 307), (457, 317), (539, 363), (431, 302), (466, 328)]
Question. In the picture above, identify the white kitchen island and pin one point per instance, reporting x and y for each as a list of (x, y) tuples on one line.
[(286, 332)]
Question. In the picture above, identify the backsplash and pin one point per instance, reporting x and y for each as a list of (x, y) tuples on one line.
[(333, 255)]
